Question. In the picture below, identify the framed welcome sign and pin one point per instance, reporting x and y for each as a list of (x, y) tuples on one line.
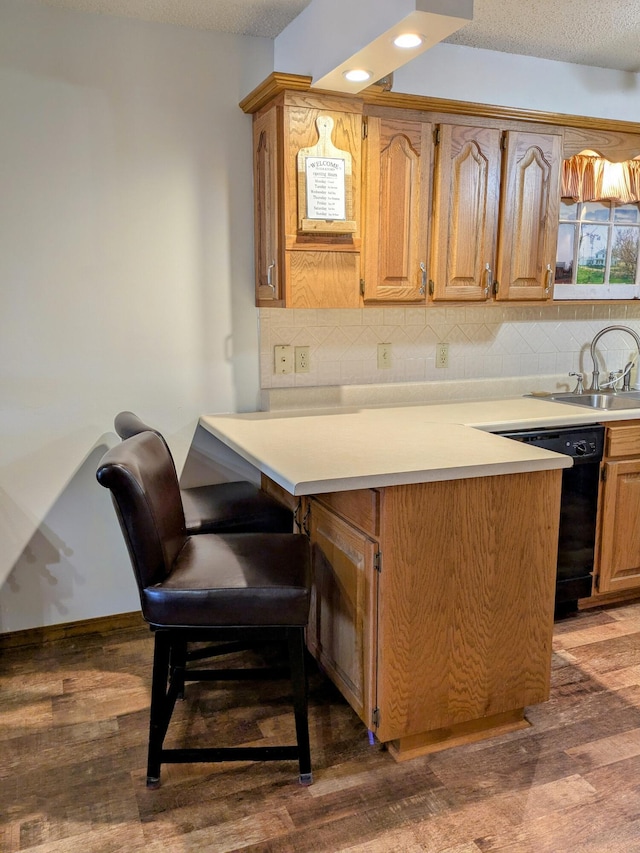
[(325, 191)]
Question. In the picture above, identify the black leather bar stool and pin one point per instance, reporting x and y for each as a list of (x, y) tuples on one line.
[(239, 507), (247, 587)]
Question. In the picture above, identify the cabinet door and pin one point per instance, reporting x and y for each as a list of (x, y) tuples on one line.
[(465, 212), (342, 618), (398, 158), (619, 553), (528, 231), (267, 189)]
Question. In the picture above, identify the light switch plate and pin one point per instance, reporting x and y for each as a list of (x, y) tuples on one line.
[(384, 356)]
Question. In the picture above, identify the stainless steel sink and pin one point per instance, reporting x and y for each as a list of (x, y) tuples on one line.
[(600, 399)]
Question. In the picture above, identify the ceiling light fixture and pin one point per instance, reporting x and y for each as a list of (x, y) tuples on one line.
[(357, 75), (408, 40)]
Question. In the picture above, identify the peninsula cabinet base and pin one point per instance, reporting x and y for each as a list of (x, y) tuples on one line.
[(432, 604), (414, 746)]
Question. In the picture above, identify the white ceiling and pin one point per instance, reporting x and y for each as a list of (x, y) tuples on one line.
[(588, 32)]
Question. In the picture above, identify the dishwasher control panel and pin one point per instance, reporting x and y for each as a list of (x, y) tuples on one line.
[(580, 443), (582, 447)]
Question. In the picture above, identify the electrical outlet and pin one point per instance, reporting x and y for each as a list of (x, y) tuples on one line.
[(283, 359), (442, 355), (303, 360), (384, 356)]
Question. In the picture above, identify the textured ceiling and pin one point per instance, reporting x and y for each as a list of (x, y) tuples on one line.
[(246, 17), (588, 32)]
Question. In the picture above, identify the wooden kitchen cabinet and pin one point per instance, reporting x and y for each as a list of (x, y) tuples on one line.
[(301, 261), (618, 562), (495, 214), (528, 221), (433, 604), (465, 212), (343, 605), (396, 188), (268, 247), (491, 232)]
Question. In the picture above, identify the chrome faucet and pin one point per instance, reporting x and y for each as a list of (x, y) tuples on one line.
[(595, 381)]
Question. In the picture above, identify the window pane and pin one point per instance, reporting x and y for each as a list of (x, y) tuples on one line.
[(626, 213), (595, 211), (568, 209), (564, 258), (624, 255), (592, 254)]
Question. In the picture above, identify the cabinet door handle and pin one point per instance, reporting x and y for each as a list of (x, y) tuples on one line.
[(306, 521), (488, 280), (269, 276), (423, 281), (549, 279)]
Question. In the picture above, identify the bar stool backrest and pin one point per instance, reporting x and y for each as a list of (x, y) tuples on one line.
[(142, 479)]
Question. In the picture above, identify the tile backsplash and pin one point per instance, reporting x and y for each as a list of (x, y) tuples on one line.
[(485, 342)]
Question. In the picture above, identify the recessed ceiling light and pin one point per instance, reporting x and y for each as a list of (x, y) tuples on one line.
[(357, 75), (408, 40)]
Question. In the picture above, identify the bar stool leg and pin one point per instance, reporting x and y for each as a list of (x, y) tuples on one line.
[(178, 664), (295, 637), (158, 720)]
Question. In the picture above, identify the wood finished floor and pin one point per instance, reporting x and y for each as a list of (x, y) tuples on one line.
[(73, 728)]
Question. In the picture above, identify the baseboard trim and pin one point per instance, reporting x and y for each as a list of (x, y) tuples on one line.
[(49, 633)]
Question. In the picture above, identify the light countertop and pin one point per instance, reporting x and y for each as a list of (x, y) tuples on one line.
[(309, 452)]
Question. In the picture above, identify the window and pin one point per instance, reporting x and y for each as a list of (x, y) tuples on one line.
[(599, 230), (597, 250)]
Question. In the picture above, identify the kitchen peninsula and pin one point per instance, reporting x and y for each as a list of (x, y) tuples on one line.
[(434, 547)]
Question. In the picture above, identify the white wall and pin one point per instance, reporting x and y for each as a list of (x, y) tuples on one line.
[(126, 273), (489, 77)]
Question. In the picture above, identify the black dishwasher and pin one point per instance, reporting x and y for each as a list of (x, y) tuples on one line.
[(578, 506)]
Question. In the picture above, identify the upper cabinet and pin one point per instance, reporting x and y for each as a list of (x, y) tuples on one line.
[(495, 214), (307, 190), (396, 224), (396, 199)]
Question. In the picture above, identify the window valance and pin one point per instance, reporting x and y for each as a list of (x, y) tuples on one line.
[(587, 177)]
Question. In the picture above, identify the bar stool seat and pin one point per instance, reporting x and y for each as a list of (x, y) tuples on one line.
[(248, 579)]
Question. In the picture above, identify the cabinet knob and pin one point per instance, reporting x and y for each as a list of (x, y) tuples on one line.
[(549, 277), (423, 280)]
